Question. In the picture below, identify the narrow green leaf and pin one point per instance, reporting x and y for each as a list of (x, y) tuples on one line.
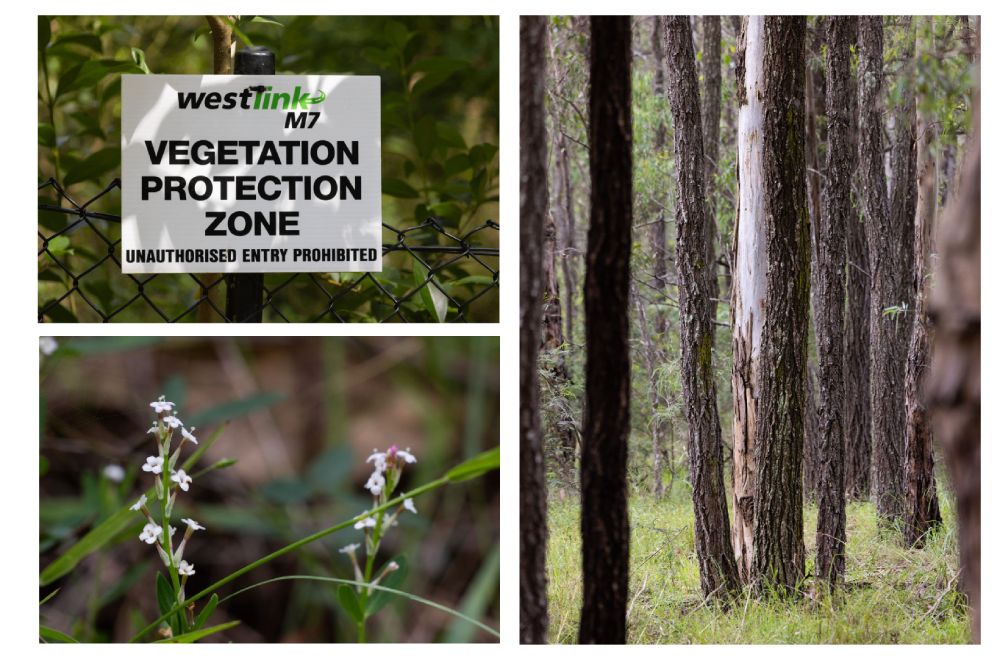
[(435, 302), (478, 597), (267, 19), (51, 594), (50, 635), (380, 599), (139, 56), (192, 636), (479, 464), (397, 188), (165, 596), (206, 612), (94, 166), (348, 599)]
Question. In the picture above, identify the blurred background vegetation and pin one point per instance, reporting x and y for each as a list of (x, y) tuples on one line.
[(303, 414), (440, 130)]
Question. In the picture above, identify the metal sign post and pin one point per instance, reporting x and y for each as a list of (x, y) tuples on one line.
[(245, 291)]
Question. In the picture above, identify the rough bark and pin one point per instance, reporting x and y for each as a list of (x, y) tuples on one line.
[(778, 551), (953, 386), (711, 65), (717, 566), (857, 390), (604, 510), (887, 360), (534, 203), (552, 338), (831, 527)]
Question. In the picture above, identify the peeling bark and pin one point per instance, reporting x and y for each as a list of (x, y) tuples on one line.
[(534, 203), (717, 566), (604, 505)]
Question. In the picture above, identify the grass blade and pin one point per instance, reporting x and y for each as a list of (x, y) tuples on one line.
[(192, 636)]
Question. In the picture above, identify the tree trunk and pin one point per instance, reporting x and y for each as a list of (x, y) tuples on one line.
[(831, 528), (604, 505), (717, 566), (953, 387), (771, 305), (552, 338), (711, 64), (534, 204), (857, 390), (885, 276)]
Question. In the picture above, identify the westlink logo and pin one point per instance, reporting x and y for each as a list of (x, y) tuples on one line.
[(250, 98)]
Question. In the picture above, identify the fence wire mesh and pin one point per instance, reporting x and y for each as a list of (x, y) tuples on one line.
[(430, 273)]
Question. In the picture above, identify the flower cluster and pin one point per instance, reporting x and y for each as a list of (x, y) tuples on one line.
[(167, 482), (388, 467)]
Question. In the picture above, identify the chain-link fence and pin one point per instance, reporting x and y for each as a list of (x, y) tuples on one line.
[(430, 273)]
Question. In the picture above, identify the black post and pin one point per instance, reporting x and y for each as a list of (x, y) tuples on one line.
[(245, 291)]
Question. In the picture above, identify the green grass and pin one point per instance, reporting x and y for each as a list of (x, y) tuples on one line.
[(893, 595)]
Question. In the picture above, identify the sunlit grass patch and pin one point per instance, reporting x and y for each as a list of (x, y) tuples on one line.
[(893, 594)]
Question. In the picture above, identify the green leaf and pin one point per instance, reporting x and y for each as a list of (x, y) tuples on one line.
[(449, 135), (267, 19), (441, 64), (456, 164), (397, 188), (237, 408), (58, 246), (50, 635), (397, 35), (425, 136), (380, 599), (348, 599), (94, 166), (435, 302), (51, 594), (139, 57), (87, 40), (192, 636), (476, 466), (206, 612), (482, 154), (46, 135), (448, 211), (166, 598)]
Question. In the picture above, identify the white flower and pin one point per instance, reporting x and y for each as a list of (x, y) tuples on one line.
[(408, 504), (181, 478), (150, 533), (375, 483), (153, 465), (154, 428), (139, 504), (349, 549), (185, 568), (189, 435), (406, 456), (114, 472), (392, 566), (379, 459), (172, 421), (192, 524), (47, 345), (162, 405), (368, 522)]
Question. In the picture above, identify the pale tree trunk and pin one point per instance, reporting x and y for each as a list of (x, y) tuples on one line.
[(887, 361), (749, 286), (717, 566), (831, 528), (779, 553), (604, 456), (534, 202), (953, 386)]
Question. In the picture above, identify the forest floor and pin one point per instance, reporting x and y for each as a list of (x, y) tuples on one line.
[(893, 595)]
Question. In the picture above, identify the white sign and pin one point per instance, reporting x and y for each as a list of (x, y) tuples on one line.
[(251, 173)]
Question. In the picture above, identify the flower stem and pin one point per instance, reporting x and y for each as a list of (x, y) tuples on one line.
[(291, 547)]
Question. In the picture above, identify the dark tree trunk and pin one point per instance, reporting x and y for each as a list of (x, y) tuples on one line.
[(604, 504), (953, 387), (831, 528), (534, 204), (717, 567), (552, 336), (857, 391), (711, 65), (887, 360), (778, 550)]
